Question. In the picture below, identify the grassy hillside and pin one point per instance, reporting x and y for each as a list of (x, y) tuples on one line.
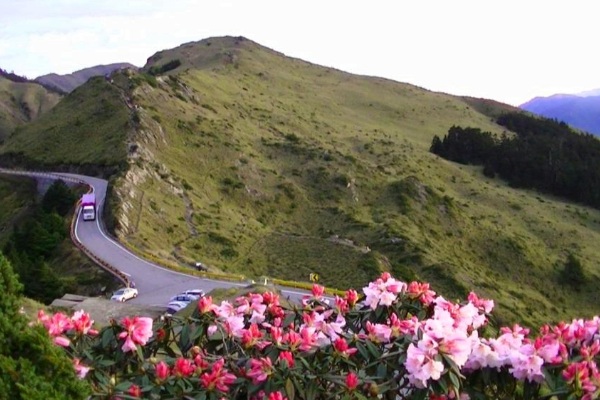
[(16, 195), (18, 201), (22, 102), (68, 82), (256, 163), (89, 126)]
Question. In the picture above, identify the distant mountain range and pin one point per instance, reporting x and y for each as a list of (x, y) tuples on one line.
[(67, 83), (581, 111)]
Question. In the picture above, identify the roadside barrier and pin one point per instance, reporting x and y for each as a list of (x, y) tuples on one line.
[(101, 263), (97, 260), (124, 278)]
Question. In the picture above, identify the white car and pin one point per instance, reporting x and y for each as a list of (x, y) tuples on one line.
[(194, 292), (185, 297), (175, 306), (124, 294)]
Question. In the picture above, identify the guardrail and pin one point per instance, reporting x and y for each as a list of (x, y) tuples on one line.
[(124, 278), (100, 262), (97, 260)]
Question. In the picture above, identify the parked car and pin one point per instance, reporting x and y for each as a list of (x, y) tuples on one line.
[(175, 306), (124, 294), (200, 267), (194, 292), (187, 298)]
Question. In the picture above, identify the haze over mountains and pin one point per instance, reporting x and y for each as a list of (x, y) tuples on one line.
[(231, 153), (581, 110)]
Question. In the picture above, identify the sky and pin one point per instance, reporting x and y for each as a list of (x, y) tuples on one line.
[(509, 50)]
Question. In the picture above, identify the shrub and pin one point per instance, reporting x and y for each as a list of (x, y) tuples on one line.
[(398, 340), (31, 367)]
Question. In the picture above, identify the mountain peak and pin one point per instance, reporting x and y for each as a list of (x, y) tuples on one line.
[(207, 53)]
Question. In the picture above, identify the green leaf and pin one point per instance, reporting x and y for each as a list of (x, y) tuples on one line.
[(107, 337), (362, 350), (123, 386), (289, 389), (382, 370), (184, 338), (373, 349), (140, 354), (289, 319), (455, 381)]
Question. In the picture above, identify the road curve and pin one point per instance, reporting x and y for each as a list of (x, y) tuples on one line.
[(156, 284)]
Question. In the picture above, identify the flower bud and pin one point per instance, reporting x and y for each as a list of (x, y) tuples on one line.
[(373, 389)]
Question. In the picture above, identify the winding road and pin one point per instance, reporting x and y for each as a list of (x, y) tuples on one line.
[(156, 284)]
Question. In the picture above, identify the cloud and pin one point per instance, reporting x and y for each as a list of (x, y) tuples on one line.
[(507, 50)]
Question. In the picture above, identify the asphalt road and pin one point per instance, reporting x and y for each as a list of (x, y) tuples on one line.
[(156, 285)]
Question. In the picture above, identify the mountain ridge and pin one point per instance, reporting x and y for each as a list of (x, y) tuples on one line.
[(68, 82), (252, 161), (582, 111)]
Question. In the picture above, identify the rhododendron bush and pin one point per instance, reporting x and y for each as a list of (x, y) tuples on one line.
[(393, 341)]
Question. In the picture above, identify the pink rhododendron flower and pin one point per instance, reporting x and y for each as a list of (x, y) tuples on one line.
[(61, 341), (341, 346), (318, 291), (351, 381), (137, 331), (82, 323), (276, 396), (80, 369), (421, 291), (251, 337), (526, 364), (205, 305), (225, 310), (234, 325), (351, 297), (287, 357), (57, 324), (218, 377), (341, 305), (162, 371), (383, 291), (422, 364), (482, 356), (378, 333), (134, 391), (486, 305), (183, 368), (260, 370)]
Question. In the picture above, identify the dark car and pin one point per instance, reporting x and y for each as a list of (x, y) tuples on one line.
[(200, 267)]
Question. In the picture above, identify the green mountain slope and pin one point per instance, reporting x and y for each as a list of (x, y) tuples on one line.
[(257, 163), (68, 82), (16, 195), (22, 102), (87, 128)]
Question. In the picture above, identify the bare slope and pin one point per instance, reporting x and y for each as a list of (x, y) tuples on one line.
[(22, 102), (257, 163)]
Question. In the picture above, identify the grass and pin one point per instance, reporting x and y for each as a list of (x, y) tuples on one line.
[(89, 126), (16, 195), (79, 274), (21, 103), (259, 164)]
